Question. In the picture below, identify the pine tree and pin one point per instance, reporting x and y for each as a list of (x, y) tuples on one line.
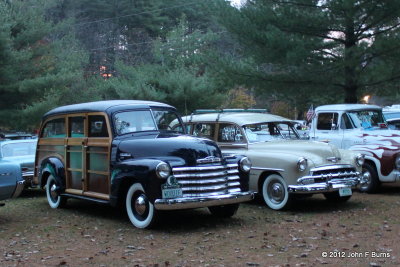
[(333, 46)]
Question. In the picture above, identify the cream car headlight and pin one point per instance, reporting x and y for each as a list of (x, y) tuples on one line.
[(397, 162), (302, 164), (245, 164), (163, 170), (360, 159)]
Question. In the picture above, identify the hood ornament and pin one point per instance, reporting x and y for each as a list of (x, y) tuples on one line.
[(210, 159), (333, 159)]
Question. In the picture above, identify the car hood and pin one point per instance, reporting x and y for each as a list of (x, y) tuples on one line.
[(176, 149), (379, 136), (319, 153)]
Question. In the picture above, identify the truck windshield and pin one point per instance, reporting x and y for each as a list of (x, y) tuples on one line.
[(262, 132), (144, 120), (367, 118)]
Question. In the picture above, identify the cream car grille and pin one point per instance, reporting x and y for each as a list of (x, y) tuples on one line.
[(337, 172), (208, 180)]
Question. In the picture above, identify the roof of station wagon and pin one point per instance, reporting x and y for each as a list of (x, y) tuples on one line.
[(240, 118), (104, 106), (344, 107)]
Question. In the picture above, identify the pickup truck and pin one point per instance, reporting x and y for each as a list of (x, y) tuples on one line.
[(361, 128)]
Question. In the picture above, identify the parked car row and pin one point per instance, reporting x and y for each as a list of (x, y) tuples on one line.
[(142, 155)]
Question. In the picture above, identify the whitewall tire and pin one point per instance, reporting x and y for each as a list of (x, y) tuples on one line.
[(54, 198), (275, 193), (140, 210)]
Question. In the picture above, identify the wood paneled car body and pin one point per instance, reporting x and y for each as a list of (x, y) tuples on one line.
[(124, 152), (283, 165)]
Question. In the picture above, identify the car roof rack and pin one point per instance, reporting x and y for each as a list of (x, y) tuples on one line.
[(226, 110)]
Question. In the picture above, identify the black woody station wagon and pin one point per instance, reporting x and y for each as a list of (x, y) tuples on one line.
[(125, 152)]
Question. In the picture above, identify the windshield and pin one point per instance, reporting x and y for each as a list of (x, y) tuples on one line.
[(144, 120), (367, 118), (262, 132), (18, 149)]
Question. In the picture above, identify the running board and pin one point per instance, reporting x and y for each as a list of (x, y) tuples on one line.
[(86, 198)]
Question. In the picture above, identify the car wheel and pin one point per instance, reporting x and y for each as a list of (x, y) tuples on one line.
[(275, 193), (335, 197), (140, 210), (54, 198), (225, 211), (370, 177)]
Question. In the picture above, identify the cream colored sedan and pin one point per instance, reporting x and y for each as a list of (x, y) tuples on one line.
[(283, 165)]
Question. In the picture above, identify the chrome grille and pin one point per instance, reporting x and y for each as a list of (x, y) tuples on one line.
[(328, 173), (208, 180)]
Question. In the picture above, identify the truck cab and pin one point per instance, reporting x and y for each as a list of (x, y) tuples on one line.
[(361, 128)]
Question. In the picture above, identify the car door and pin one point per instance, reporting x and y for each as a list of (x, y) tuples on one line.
[(8, 179), (326, 128), (97, 178), (76, 154)]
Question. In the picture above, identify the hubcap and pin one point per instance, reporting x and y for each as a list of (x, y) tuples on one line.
[(366, 180), (276, 192), (53, 192), (140, 205)]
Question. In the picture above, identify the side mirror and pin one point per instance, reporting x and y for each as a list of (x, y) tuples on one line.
[(334, 126)]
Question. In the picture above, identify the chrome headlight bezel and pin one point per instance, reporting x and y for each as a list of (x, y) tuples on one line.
[(360, 159), (245, 164), (163, 170), (397, 162), (302, 164)]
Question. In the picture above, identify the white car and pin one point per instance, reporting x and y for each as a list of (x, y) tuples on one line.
[(283, 165), (361, 128)]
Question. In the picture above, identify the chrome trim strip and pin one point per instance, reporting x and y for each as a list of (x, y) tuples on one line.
[(329, 176), (204, 168), (332, 167), (267, 169), (209, 188), (200, 175), (208, 181), (200, 202), (331, 186)]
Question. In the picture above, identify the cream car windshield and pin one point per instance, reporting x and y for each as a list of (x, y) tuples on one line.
[(144, 120), (366, 118), (264, 132)]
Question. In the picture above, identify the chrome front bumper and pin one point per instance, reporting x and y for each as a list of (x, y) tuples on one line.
[(324, 187), (18, 189), (201, 202)]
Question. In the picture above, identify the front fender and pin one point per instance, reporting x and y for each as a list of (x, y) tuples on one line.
[(139, 171), (55, 167)]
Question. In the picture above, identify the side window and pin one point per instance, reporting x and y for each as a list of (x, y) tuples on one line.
[(54, 129), (204, 130), (230, 133), (97, 126), (327, 121), (76, 127), (345, 122)]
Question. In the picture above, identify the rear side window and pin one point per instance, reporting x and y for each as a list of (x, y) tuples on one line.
[(229, 133), (77, 127), (54, 129), (327, 121), (204, 130), (97, 126)]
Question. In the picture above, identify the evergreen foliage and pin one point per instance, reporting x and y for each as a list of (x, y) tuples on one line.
[(340, 47)]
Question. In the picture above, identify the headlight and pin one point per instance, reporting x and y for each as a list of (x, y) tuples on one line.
[(163, 170), (360, 159), (245, 164), (302, 164), (397, 162)]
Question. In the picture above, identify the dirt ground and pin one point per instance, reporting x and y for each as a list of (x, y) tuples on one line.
[(362, 232)]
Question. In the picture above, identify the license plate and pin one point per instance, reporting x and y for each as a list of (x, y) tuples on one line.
[(172, 193), (343, 192)]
